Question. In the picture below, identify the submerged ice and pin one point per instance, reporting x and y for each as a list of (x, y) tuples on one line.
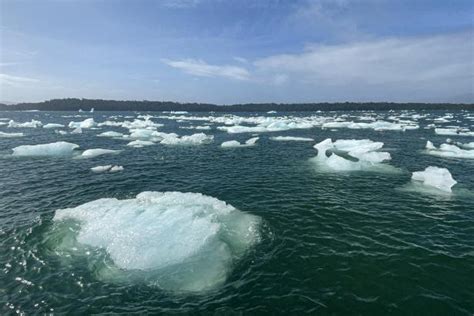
[(177, 241)]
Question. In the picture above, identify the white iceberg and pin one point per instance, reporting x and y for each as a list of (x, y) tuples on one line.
[(98, 169), (449, 151), (91, 153), (291, 138), (140, 143), (87, 123), (183, 242), (110, 134), (52, 149), (11, 135), (195, 139), (439, 178), (233, 143), (31, 124), (360, 155), (53, 125), (116, 169)]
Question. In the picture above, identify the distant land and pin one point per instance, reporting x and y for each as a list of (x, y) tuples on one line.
[(73, 104)]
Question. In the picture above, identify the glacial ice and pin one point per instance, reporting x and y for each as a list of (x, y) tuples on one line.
[(91, 153), (362, 154), (292, 138), (87, 123), (180, 242), (439, 178), (52, 149), (53, 125), (448, 151), (140, 143), (11, 135), (116, 169), (195, 139), (31, 124), (98, 169), (453, 132), (110, 134), (233, 143)]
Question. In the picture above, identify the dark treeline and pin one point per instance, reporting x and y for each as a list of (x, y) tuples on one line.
[(112, 105)]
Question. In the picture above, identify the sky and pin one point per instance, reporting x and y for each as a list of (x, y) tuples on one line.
[(238, 51)]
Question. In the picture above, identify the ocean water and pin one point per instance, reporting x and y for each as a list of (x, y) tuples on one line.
[(325, 242)]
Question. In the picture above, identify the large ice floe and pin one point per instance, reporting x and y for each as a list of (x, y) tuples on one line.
[(351, 155), (180, 242), (449, 151), (435, 177), (52, 149), (233, 143)]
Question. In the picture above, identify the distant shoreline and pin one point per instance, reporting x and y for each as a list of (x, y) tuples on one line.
[(114, 105)]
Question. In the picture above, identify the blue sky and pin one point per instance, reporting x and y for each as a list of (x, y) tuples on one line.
[(237, 51)]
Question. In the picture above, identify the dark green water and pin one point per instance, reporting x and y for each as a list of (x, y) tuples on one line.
[(333, 243)]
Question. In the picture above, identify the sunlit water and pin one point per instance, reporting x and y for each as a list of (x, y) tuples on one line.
[(329, 242)]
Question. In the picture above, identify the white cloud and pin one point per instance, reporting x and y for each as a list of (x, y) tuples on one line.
[(379, 62), (200, 68), (15, 81)]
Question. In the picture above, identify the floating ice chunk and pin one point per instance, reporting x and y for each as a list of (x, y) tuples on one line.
[(116, 169), (11, 135), (91, 153), (140, 143), (110, 134), (439, 178), (87, 123), (52, 149), (77, 131), (101, 168), (448, 151), (251, 141), (177, 241), (31, 124), (195, 139), (53, 125), (363, 151), (233, 143), (291, 138)]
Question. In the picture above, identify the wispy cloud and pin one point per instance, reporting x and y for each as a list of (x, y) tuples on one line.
[(15, 81), (379, 62), (198, 67), (180, 4)]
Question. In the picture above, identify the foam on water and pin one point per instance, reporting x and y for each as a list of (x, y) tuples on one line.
[(51, 149), (177, 241)]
